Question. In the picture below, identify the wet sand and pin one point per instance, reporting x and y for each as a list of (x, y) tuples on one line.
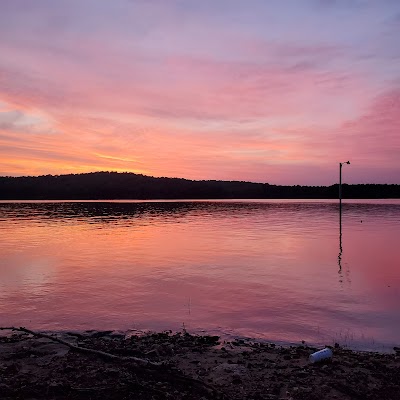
[(193, 367)]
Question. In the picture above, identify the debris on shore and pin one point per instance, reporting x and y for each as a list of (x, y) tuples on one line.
[(185, 366)]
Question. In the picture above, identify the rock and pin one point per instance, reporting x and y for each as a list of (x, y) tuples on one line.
[(302, 374), (236, 380), (99, 334), (235, 369), (4, 387)]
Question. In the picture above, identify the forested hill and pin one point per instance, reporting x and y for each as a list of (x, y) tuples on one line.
[(113, 185)]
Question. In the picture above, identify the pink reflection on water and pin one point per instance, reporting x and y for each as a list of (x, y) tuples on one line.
[(267, 270)]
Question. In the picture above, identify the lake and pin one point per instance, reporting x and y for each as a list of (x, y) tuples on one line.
[(278, 270)]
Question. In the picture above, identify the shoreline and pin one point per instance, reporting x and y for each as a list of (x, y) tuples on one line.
[(192, 367), (353, 345)]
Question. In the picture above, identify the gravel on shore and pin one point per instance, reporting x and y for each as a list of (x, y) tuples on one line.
[(192, 367)]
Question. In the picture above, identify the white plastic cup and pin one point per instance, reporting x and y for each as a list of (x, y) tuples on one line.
[(321, 355)]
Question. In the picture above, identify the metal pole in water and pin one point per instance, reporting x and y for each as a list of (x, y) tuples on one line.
[(340, 182), (340, 185)]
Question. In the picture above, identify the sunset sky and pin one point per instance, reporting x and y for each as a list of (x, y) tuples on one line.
[(265, 91)]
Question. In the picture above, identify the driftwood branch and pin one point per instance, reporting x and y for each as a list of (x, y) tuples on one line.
[(137, 360), (156, 366)]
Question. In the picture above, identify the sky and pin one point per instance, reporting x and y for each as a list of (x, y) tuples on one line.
[(276, 91)]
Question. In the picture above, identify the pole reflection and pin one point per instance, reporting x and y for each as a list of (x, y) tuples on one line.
[(340, 243), (340, 255)]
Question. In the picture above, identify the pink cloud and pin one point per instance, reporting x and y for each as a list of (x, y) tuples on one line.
[(302, 155), (282, 112)]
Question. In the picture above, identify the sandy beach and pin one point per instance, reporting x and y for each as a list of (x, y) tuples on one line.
[(185, 366)]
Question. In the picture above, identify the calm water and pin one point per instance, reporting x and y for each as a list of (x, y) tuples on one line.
[(265, 269)]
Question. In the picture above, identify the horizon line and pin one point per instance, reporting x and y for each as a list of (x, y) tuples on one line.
[(187, 179)]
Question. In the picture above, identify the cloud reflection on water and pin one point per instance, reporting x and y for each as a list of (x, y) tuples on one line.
[(267, 269)]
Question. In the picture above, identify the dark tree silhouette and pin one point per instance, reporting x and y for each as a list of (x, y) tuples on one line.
[(113, 185)]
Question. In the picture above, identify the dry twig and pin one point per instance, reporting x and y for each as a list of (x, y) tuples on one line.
[(155, 366), (137, 360)]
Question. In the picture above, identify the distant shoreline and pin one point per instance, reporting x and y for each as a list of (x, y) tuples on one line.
[(129, 186), (133, 201)]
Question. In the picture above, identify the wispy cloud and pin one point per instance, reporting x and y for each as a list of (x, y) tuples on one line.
[(201, 90), (22, 122)]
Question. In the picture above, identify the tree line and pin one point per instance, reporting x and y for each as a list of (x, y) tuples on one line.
[(113, 185)]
